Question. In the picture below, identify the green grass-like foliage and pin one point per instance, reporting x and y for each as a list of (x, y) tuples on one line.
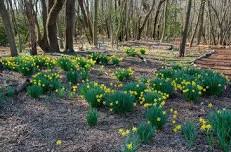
[(189, 132), (92, 117), (123, 74), (115, 60), (94, 96), (191, 91), (48, 81), (156, 116), (43, 61), (162, 85), (221, 128), (35, 91), (120, 102), (213, 82), (210, 82), (66, 64), (131, 52), (142, 51), (75, 76), (145, 132), (154, 97), (100, 58), (84, 63), (25, 65), (134, 88)]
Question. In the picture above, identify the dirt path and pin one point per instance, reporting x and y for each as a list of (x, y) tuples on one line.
[(220, 60)]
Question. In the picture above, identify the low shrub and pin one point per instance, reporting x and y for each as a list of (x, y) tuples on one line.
[(189, 132), (120, 102), (123, 74), (156, 116), (92, 117)]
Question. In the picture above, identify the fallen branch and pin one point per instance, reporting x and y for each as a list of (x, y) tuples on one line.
[(206, 55), (20, 88)]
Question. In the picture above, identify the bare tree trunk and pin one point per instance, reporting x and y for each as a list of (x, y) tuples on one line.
[(95, 23), (201, 22), (165, 20), (196, 27), (42, 41), (51, 26), (70, 22), (29, 11), (141, 28), (86, 21), (8, 28), (156, 17), (185, 31)]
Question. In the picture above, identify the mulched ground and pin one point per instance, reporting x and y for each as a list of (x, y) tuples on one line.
[(29, 125), (220, 60)]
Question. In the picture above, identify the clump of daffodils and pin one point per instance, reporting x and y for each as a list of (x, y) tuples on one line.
[(204, 125)]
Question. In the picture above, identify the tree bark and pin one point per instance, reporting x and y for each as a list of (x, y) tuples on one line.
[(29, 11), (185, 31), (51, 26), (43, 42), (156, 17), (141, 28), (70, 22), (165, 20), (8, 28), (95, 23)]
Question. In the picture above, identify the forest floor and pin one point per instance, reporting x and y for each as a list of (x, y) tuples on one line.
[(28, 124)]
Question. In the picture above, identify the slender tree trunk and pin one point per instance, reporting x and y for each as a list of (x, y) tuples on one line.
[(141, 28), (70, 22), (156, 17), (42, 41), (165, 20), (185, 31), (201, 22), (95, 23), (86, 20), (29, 11), (8, 28)]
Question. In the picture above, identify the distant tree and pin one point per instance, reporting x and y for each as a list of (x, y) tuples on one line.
[(8, 28), (95, 22)]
